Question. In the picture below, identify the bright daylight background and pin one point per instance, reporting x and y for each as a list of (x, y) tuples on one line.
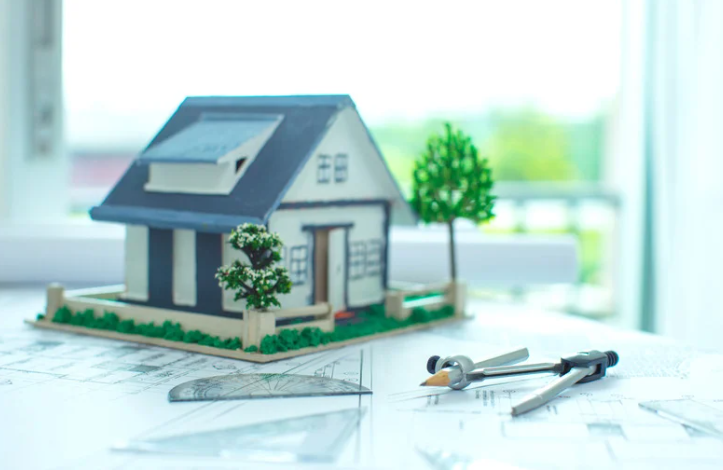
[(535, 83)]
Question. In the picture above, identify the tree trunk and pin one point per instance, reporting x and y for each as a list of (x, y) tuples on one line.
[(452, 251)]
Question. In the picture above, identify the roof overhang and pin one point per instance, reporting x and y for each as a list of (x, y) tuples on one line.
[(171, 219)]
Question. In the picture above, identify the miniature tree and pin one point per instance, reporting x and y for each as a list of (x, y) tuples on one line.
[(450, 182), (256, 281)]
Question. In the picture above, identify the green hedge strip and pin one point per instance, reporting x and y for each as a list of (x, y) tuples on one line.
[(168, 330), (369, 322)]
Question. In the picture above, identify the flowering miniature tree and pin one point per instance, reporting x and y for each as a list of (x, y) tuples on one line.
[(257, 281), (450, 182)]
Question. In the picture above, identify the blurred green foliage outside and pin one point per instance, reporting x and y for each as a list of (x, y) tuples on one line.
[(522, 145)]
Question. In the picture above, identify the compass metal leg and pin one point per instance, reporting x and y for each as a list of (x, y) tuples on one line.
[(551, 390)]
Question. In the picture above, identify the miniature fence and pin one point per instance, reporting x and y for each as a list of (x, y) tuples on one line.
[(104, 292), (259, 324), (252, 329), (434, 296), (103, 299)]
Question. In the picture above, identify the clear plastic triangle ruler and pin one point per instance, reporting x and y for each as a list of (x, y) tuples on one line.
[(311, 438), (247, 386)]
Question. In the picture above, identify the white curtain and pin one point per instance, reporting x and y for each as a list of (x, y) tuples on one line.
[(684, 151)]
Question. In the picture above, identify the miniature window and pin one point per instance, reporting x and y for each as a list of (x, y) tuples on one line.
[(298, 264), (374, 258), (323, 171), (341, 167), (357, 253)]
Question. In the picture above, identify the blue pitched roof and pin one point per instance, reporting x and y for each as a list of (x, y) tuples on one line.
[(256, 195), (209, 139)]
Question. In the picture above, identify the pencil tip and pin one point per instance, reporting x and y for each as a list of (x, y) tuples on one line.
[(440, 379)]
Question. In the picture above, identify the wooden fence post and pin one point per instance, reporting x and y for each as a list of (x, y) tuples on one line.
[(331, 319), (394, 305), (458, 293), (258, 325), (54, 300)]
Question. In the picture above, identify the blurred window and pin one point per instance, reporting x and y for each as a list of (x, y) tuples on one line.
[(356, 260), (298, 265), (341, 167), (323, 170), (374, 258), (534, 83)]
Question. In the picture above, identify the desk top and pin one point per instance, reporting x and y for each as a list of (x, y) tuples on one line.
[(69, 401)]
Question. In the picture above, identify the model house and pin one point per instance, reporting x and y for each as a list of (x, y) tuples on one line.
[(306, 166)]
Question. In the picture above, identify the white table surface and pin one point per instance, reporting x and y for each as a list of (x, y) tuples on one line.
[(40, 427)]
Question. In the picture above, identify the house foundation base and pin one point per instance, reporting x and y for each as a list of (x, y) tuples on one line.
[(232, 354)]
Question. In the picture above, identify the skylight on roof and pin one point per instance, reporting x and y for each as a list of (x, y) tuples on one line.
[(211, 138), (210, 155)]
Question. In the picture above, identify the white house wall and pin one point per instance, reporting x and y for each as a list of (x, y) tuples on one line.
[(186, 178), (368, 228), (367, 176)]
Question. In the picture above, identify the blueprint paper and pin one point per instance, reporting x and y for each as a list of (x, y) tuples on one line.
[(83, 397)]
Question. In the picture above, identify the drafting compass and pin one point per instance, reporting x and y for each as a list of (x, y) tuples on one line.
[(456, 368), (580, 368)]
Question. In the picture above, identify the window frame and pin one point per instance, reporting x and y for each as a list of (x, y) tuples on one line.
[(88, 254), (35, 264), (373, 258), (357, 259), (299, 266), (341, 171), (323, 168), (31, 128)]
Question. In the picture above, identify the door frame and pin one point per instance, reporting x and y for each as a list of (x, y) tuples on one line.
[(328, 227)]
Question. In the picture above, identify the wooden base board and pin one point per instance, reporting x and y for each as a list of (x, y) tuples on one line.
[(235, 354)]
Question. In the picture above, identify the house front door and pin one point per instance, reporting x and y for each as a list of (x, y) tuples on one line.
[(330, 267), (336, 280)]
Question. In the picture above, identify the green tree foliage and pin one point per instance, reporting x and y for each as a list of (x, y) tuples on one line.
[(450, 181), (529, 146), (522, 144), (256, 281)]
